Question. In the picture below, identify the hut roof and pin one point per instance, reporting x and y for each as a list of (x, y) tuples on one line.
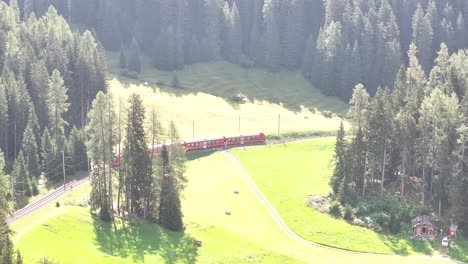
[(424, 219)]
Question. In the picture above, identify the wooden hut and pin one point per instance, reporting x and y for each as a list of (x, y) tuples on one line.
[(424, 227)]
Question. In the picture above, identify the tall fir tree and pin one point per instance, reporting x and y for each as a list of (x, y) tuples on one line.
[(138, 178), (57, 102), (170, 211)]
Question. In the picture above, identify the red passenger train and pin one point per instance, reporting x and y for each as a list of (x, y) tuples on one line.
[(209, 143)]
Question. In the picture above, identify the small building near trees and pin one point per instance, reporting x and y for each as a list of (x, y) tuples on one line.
[(424, 227)]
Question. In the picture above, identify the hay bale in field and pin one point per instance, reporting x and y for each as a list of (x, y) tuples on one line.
[(236, 191), (228, 212)]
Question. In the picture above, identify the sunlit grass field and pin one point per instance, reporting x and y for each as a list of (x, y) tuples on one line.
[(224, 79), (202, 115), (288, 174), (69, 234), (277, 102)]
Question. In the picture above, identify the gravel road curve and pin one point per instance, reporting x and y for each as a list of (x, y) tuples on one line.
[(285, 228)]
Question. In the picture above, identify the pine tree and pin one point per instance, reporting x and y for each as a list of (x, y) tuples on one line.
[(3, 116), (213, 29), (233, 42), (170, 211), (422, 37), (31, 152), (333, 10), (271, 35), (20, 176), (134, 63), (138, 178), (101, 139), (358, 112), (440, 73), (39, 78), (79, 158), (122, 59), (461, 40), (294, 36), (340, 170), (308, 59), (57, 102), (19, 258), (48, 155)]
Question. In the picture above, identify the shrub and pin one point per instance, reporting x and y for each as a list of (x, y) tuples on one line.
[(327, 114), (239, 98), (57, 204), (46, 260), (129, 74), (348, 213), (160, 83), (35, 189), (335, 209), (176, 83)]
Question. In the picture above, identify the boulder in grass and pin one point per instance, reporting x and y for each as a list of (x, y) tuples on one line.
[(198, 242), (228, 212)]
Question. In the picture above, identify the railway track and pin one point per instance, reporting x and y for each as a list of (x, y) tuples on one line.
[(46, 199)]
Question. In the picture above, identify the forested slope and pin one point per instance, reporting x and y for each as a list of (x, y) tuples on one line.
[(335, 43)]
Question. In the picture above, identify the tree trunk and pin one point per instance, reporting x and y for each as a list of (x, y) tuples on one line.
[(430, 189), (111, 202), (120, 166), (104, 189), (403, 176), (372, 172), (383, 170), (424, 181)]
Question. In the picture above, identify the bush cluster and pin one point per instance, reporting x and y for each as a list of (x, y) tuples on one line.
[(387, 214)]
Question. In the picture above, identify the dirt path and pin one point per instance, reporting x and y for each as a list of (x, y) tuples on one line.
[(287, 230), (46, 199)]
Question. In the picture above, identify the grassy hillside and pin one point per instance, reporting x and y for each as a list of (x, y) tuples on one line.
[(289, 174), (224, 79), (213, 116), (204, 100), (69, 234)]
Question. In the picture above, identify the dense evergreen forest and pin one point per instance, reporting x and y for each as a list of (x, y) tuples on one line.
[(49, 77), (335, 43), (411, 140)]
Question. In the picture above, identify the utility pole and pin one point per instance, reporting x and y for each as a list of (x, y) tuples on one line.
[(63, 166), (279, 124)]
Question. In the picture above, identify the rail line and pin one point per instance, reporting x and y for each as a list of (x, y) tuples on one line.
[(46, 199)]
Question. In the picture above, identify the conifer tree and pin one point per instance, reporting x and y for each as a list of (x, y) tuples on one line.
[(31, 152), (3, 116), (170, 212), (271, 35), (422, 37), (134, 63), (138, 178), (101, 139), (57, 102), (20, 176), (48, 154), (122, 59), (234, 40), (340, 170)]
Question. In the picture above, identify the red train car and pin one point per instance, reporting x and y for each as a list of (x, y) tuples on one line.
[(207, 143)]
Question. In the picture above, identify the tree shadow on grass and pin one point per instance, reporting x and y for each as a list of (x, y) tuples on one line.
[(136, 239), (400, 245)]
